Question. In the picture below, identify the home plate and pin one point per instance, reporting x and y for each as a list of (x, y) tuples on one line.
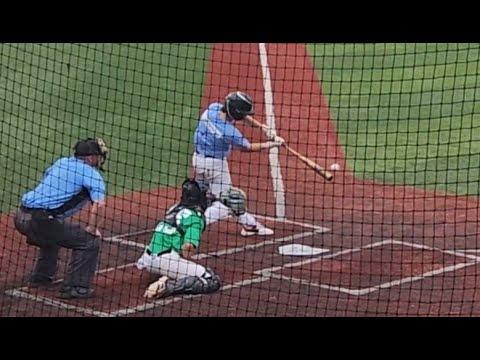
[(300, 250)]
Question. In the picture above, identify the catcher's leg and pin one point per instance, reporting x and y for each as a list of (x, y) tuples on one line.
[(208, 283), (182, 276), (148, 262), (170, 264)]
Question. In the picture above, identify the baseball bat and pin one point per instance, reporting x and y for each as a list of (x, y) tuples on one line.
[(311, 164)]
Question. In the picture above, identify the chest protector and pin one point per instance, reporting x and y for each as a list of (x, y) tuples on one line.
[(171, 217)]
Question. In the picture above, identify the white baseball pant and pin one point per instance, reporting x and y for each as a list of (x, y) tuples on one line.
[(217, 174), (171, 265)]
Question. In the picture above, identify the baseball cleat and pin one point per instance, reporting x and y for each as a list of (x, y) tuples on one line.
[(260, 231)]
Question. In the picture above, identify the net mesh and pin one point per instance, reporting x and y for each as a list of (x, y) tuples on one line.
[(394, 233)]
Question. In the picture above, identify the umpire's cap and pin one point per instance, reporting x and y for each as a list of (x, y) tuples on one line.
[(91, 146), (238, 105)]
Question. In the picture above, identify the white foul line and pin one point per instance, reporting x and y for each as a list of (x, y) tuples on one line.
[(21, 292), (426, 247), (163, 302), (264, 275), (286, 221), (55, 303), (268, 271), (363, 291), (278, 188), (229, 251), (308, 283), (119, 238)]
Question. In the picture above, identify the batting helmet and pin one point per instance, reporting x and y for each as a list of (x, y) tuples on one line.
[(193, 195), (238, 105)]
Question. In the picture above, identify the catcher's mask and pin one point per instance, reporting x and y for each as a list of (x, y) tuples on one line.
[(194, 194), (238, 105), (92, 146)]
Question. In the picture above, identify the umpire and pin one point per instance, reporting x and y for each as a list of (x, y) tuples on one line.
[(43, 217)]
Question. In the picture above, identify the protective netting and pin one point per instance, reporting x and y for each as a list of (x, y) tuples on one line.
[(394, 233)]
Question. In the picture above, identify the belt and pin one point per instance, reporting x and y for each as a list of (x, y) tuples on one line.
[(31, 210), (208, 156), (161, 253)]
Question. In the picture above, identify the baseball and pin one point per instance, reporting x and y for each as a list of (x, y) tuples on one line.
[(335, 167)]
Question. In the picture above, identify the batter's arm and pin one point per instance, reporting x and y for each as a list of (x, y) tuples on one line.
[(239, 141), (255, 123), (265, 145)]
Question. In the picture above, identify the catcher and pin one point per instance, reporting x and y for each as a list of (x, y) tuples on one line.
[(174, 242)]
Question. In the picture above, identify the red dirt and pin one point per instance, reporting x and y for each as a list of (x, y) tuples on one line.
[(372, 267)]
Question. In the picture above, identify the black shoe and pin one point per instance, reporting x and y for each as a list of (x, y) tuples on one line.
[(40, 282), (65, 289), (75, 292)]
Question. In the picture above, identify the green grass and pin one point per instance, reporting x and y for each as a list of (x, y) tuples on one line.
[(143, 99), (406, 113)]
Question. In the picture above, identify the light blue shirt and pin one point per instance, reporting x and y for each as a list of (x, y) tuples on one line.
[(66, 178), (215, 137)]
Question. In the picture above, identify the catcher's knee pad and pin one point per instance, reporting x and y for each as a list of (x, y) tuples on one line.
[(212, 279), (208, 283)]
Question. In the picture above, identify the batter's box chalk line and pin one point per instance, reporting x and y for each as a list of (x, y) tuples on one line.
[(22, 292), (474, 260)]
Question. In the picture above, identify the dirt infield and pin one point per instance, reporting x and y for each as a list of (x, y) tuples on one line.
[(393, 250)]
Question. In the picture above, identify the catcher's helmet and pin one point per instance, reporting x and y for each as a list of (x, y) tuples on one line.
[(193, 194), (238, 105)]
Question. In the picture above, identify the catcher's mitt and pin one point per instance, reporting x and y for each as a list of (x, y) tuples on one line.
[(235, 199)]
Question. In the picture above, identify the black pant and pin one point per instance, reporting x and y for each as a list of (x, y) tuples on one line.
[(49, 234)]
